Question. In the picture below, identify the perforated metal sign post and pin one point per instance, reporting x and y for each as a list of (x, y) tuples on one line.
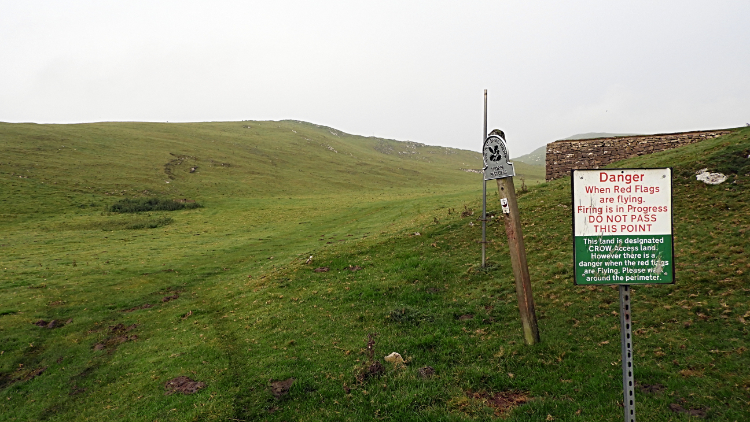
[(626, 344), (622, 234)]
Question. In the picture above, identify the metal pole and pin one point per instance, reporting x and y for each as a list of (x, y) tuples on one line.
[(626, 339), (484, 189)]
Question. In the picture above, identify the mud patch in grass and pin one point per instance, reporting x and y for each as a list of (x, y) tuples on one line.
[(76, 390), (118, 335), (138, 308), (51, 324), (501, 402), (426, 372), (182, 385), (650, 388), (281, 387), (21, 374), (698, 413), (166, 299), (371, 370)]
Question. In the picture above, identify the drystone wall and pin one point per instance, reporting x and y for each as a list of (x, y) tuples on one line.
[(566, 155)]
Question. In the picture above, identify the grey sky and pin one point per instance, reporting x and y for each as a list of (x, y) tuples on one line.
[(409, 70)]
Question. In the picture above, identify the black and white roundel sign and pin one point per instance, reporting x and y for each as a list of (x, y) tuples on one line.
[(495, 154)]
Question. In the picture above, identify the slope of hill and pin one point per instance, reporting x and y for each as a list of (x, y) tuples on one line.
[(266, 300), (237, 158), (534, 158), (539, 155)]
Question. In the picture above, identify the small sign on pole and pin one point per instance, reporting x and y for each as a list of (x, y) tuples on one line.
[(622, 235), (495, 154)]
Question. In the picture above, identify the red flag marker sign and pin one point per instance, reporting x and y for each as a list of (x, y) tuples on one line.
[(622, 226)]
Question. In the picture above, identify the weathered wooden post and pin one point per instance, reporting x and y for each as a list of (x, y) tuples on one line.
[(498, 167)]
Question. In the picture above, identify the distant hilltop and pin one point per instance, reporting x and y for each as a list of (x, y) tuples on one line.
[(534, 158), (538, 157)]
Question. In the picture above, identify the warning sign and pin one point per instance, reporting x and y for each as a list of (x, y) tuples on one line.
[(622, 226)]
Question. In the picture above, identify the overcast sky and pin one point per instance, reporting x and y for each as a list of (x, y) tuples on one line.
[(408, 70)]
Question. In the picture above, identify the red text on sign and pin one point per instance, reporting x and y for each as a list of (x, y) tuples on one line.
[(614, 178)]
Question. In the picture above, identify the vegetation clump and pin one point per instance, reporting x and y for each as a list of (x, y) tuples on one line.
[(133, 205), (371, 368), (734, 159), (407, 315)]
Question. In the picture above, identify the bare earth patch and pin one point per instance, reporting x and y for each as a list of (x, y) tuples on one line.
[(426, 371), (166, 299), (372, 370), (698, 413), (280, 388), (650, 388), (75, 390), (51, 324), (502, 402), (118, 335), (182, 385), (21, 374), (138, 308)]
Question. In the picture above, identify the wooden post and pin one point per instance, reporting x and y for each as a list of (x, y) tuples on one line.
[(518, 261)]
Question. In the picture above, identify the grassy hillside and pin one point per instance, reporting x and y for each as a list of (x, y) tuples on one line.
[(538, 157), (257, 159), (527, 174), (224, 295)]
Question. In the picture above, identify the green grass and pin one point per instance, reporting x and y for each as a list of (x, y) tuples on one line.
[(538, 157), (249, 309)]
